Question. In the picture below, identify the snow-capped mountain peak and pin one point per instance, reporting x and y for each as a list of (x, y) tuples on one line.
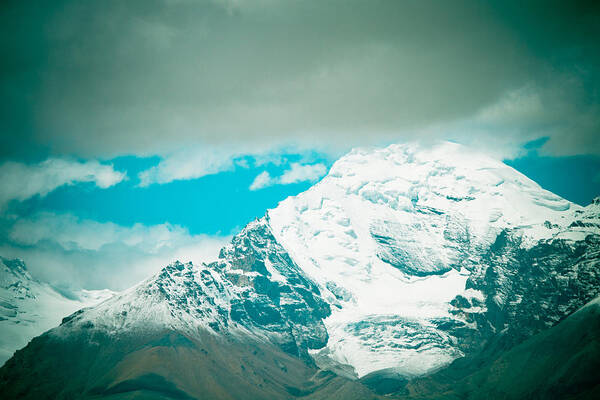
[(391, 236), (402, 258)]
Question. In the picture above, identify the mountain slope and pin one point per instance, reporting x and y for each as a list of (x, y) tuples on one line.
[(188, 332), (559, 363), (164, 364), (397, 263), (29, 307)]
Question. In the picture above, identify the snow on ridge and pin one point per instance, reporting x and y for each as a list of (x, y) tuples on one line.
[(160, 301)]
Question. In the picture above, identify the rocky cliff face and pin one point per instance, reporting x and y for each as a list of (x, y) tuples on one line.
[(254, 289), (525, 288), (274, 294)]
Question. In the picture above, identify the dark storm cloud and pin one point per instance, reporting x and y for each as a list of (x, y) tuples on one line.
[(113, 77)]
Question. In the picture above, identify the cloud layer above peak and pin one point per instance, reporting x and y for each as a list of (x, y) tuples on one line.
[(163, 75)]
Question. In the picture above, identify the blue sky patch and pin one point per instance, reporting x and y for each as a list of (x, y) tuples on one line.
[(214, 204)]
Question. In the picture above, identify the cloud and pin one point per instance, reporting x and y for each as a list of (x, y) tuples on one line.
[(69, 251), (296, 173), (529, 113), (262, 180), (193, 162), (73, 233), (189, 164), (302, 173), (20, 181), (347, 74)]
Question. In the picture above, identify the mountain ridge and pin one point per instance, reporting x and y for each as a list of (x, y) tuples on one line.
[(400, 261)]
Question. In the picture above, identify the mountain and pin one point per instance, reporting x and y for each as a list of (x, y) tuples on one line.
[(401, 262), (396, 235), (29, 307)]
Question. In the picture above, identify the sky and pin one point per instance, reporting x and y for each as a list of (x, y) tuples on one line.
[(133, 133)]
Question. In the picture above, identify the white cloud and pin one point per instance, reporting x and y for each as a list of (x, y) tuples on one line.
[(20, 181), (66, 250), (196, 161), (302, 173), (190, 164), (72, 233), (296, 173), (262, 180)]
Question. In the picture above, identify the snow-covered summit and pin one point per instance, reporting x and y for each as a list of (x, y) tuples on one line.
[(434, 195), (424, 210), (391, 236)]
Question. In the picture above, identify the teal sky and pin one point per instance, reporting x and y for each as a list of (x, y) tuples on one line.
[(132, 133), (218, 204)]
